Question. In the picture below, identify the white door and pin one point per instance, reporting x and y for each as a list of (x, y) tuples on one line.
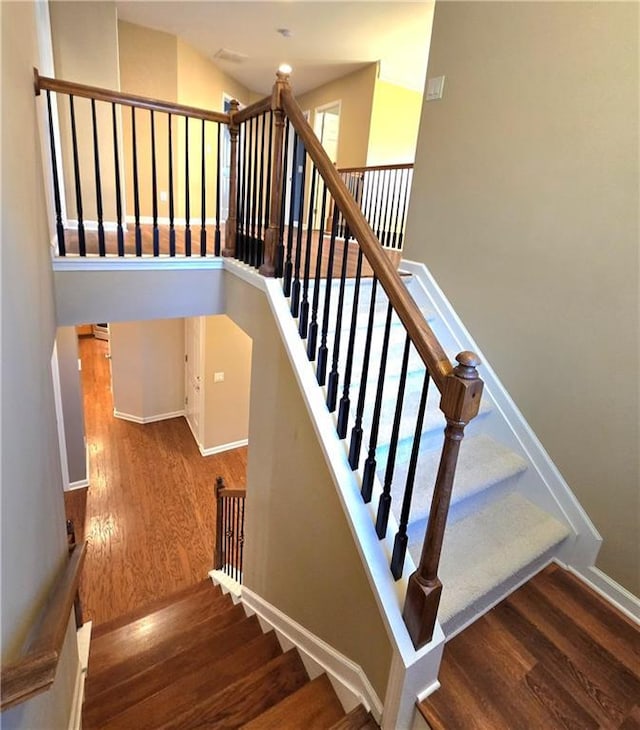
[(326, 127), (193, 375)]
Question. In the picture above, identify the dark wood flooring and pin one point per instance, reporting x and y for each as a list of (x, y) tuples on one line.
[(553, 655), (149, 513)]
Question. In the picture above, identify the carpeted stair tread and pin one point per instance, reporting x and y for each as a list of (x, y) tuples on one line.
[(189, 698), (247, 698), (143, 676), (314, 706), (157, 627), (205, 586), (357, 719), (503, 538), (482, 464)]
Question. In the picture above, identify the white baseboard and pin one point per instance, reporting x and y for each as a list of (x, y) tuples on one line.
[(347, 677), (611, 591), (84, 637), (72, 225), (227, 583), (147, 419), (223, 447), (194, 223)]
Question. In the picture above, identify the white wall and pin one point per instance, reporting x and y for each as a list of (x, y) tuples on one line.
[(525, 208), (34, 546)]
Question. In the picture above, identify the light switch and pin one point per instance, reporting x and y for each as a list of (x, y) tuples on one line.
[(218, 377), (435, 87)]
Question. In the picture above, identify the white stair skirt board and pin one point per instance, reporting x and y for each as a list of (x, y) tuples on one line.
[(223, 447), (487, 552), (348, 679), (227, 584), (147, 419), (83, 636)]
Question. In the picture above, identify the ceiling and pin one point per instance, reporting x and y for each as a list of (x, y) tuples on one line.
[(328, 38)]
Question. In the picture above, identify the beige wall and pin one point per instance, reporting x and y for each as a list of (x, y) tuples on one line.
[(299, 552), (147, 367), (33, 540), (355, 92), (85, 50), (525, 207), (395, 118), (227, 349)]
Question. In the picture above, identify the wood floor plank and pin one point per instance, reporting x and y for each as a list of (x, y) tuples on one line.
[(246, 698), (313, 707), (189, 696), (122, 689), (632, 721), (357, 719)]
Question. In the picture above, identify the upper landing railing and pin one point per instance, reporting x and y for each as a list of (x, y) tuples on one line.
[(288, 213)]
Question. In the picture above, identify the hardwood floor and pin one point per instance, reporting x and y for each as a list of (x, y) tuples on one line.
[(553, 655), (149, 513)]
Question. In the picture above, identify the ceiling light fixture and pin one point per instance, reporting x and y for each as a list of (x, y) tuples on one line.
[(284, 68), (284, 32)]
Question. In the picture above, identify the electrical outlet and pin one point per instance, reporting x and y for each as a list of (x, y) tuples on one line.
[(218, 377)]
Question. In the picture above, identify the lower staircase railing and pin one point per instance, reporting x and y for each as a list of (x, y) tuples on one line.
[(229, 542)]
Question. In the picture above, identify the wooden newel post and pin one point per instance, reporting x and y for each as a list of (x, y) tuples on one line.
[(460, 403), (232, 219), (272, 234), (218, 557)]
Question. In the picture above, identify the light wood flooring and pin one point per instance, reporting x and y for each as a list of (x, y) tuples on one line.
[(149, 513), (552, 656)]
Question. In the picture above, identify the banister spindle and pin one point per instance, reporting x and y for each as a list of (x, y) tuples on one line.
[(295, 286), (218, 558), (282, 194), (312, 335), (98, 179), (116, 165), (187, 192), (334, 377), (460, 403), (303, 318), (216, 242), (250, 253), (323, 350), (203, 193), (56, 182), (232, 222), (172, 228), (154, 188), (82, 247), (136, 190), (288, 264)]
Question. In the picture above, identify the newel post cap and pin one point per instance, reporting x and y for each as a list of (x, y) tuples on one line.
[(467, 363)]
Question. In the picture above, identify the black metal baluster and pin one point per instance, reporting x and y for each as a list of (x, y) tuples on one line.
[(203, 194), (312, 335), (334, 377), (356, 432), (304, 305), (62, 251), (295, 287), (280, 249), (216, 243), (154, 188), (172, 227), (136, 190), (227, 537), (116, 165), (400, 541), (323, 350), (253, 254), (267, 200), (345, 403), (384, 505), (370, 462), (96, 167), (260, 233), (242, 196), (241, 536), (393, 210), (187, 192), (82, 247), (407, 185), (288, 266), (368, 178), (388, 210), (378, 203)]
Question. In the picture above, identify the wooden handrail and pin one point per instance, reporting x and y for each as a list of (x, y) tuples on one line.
[(253, 110), (118, 97), (35, 671), (232, 493), (407, 310), (376, 168)]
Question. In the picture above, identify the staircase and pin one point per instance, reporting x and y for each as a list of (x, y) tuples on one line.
[(196, 660)]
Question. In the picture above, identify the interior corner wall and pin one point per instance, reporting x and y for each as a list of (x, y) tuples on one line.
[(355, 92), (85, 50), (147, 368), (525, 208), (33, 536), (395, 118), (227, 349), (72, 403), (299, 553)]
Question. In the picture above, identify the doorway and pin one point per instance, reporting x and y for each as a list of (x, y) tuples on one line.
[(326, 125)]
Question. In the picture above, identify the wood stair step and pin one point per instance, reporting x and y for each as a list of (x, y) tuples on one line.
[(357, 719), (118, 696), (192, 696), (155, 605), (152, 629), (243, 700), (314, 706)]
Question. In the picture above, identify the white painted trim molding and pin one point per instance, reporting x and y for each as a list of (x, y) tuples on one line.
[(147, 419), (83, 636), (108, 226), (194, 223), (350, 682), (80, 484), (93, 262), (227, 584), (612, 592), (223, 447)]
